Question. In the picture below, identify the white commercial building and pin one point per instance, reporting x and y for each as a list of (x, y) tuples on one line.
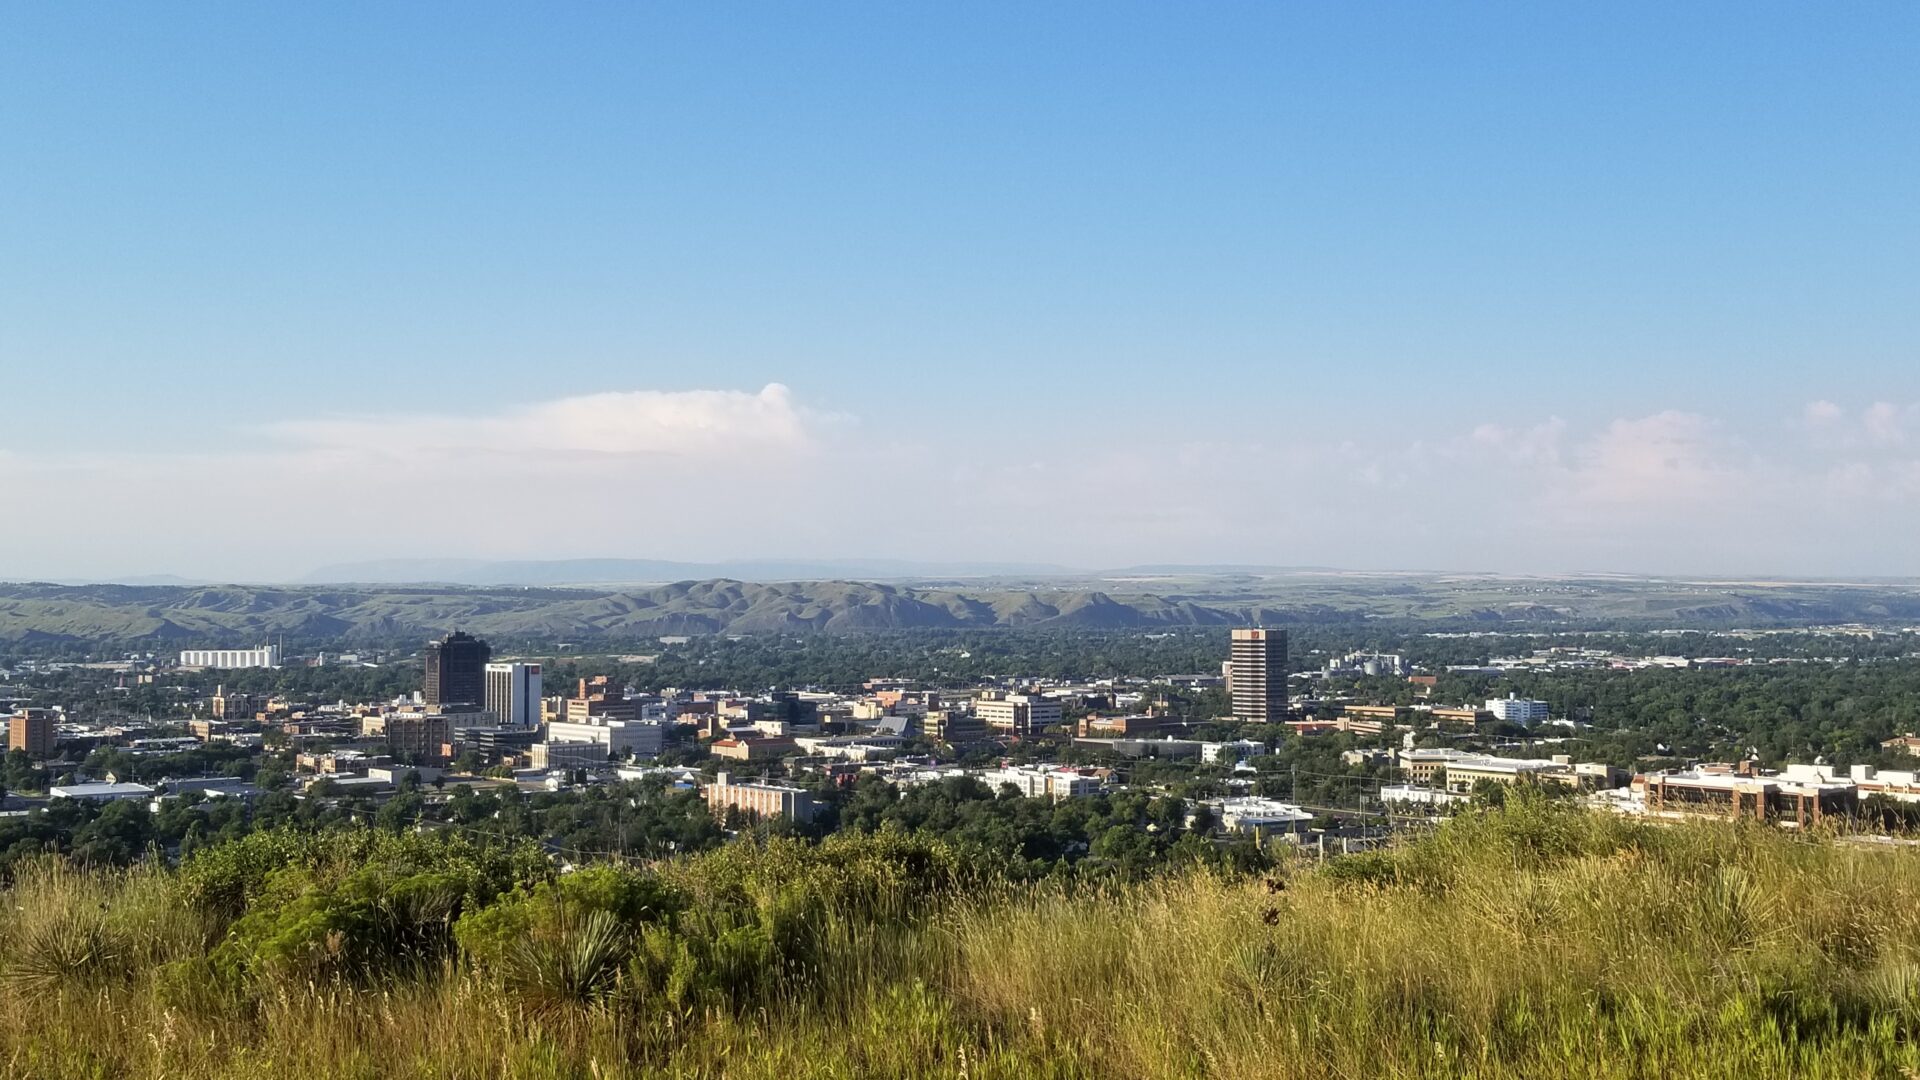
[(567, 755), (1043, 781), (513, 694), (620, 738), (1239, 750), (107, 792), (1251, 814), (1518, 710), (266, 656)]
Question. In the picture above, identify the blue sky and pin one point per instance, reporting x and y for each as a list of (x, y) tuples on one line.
[(1006, 260)]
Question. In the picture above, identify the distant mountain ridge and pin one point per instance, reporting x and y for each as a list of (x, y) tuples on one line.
[(130, 613), (235, 614)]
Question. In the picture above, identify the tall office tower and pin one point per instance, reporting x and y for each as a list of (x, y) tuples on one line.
[(456, 670), (1259, 680), (513, 694)]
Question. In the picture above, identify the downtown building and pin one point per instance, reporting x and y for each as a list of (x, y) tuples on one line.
[(456, 670), (513, 694), (1018, 715), (1257, 675)]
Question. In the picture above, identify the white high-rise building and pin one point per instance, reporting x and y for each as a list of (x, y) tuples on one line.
[(266, 656), (1518, 710), (513, 694), (1257, 676)]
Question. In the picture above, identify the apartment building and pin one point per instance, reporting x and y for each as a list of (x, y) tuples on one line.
[(32, 730), (1518, 710), (760, 799)]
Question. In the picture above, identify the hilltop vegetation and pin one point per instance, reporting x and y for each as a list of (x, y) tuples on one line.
[(1528, 941), (41, 614)]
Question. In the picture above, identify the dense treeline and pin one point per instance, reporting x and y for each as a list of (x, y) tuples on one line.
[(1121, 834)]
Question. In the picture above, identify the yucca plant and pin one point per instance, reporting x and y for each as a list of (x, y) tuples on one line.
[(47, 954), (576, 961)]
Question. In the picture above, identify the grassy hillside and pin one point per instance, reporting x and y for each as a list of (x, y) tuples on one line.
[(163, 615), (1529, 942)]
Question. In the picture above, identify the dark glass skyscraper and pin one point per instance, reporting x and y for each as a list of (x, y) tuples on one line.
[(456, 670)]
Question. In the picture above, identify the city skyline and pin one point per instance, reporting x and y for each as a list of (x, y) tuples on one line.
[(1509, 290)]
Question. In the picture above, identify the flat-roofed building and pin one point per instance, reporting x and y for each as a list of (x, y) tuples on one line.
[(760, 799), (1518, 710), (1380, 714), (1123, 726), (1220, 753), (1462, 717), (1017, 714), (1044, 781), (456, 670), (568, 755), (751, 749), (231, 706), (107, 792), (513, 694), (32, 729), (621, 738), (1258, 674), (421, 735), (1426, 766), (1259, 817), (952, 726), (599, 699), (1744, 791), (1463, 772)]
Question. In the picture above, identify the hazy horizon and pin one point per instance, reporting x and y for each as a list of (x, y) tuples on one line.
[(1633, 289)]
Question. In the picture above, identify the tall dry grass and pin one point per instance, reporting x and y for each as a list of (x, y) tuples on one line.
[(1533, 942)]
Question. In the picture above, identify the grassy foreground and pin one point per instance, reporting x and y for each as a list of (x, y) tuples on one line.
[(1531, 941)]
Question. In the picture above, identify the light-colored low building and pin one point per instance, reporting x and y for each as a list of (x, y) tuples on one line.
[(620, 738), (1259, 817), (1518, 710), (1017, 714), (105, 792), (567, 755), (1804, 798), (1393, 794), (759, 798), (1224, 753), (1054, 782)]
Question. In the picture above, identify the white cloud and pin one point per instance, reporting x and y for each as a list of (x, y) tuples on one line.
[(634, 472), (1822, 414), (712, 474), (688, 423), (1653, 461), (1883, 425), (1886, 423)]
